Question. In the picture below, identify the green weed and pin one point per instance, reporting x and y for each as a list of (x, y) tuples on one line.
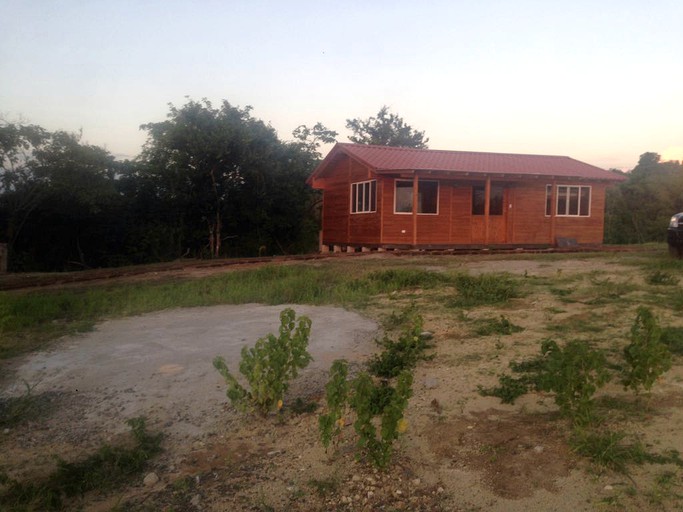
[(501, 326), (573, 373), (646, 356), (672, 337), (324, 486), (15, 410), (372, 403), (269, 365), (402, 354), (661, 278), (605, 290), (610, 449), (483, 289), (108, 468)]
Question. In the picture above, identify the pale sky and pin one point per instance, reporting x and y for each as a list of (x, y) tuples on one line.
[(600, 81)]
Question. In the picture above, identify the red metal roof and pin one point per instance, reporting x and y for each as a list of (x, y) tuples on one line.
[(386, 159)]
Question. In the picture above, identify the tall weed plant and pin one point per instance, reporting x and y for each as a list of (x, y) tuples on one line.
[(269, 365)]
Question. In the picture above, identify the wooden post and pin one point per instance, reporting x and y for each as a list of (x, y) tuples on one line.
[(553, 211), (415, 197), (487, 208)]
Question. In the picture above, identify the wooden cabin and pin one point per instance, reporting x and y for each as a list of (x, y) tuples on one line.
[(381, 197)]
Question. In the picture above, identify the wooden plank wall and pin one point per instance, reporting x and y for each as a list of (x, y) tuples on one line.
[(524, 223)]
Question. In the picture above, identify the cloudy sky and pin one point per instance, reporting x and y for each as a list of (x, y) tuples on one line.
[(601, 81)]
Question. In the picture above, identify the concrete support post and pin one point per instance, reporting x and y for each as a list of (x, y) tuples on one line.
[(3, 258)]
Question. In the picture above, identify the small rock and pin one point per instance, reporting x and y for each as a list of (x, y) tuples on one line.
[(431, 382), (539, 449), (398, 492), (370, 494), (416, 482), (608, 488), (346, 499), (195, 500), (6, 431), (426, 335), (150, 479), (355, 478), (439, 490), (274, 452)]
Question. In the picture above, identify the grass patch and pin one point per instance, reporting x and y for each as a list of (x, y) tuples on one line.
[(28, 320), (484, 289), (402, 354), (491, 326), (661, 278), (17, 409), (582, 322), (108, 468), (672, 337), (605, 291), (324, 486), (610, 449)]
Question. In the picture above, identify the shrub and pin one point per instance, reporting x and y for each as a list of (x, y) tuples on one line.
[(573, 374), (646, 356), (402, 354), (270, 365), (373, 403)]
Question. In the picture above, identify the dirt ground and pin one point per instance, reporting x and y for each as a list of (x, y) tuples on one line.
[(462, 451)]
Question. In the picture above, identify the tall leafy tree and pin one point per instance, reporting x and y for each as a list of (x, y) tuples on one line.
[(386, 129), (310, 139), (224, 176), (200, 155), (638, 210), (59, 202)]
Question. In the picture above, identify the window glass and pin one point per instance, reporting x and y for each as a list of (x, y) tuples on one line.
[(573, 201), (585, 201), (496, 201), (479, 200), (562, 200), (404, 197), (364, 197), (428, 196)]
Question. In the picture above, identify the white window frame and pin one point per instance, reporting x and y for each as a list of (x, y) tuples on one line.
[(568, 188), (438, 189), (368, 197)]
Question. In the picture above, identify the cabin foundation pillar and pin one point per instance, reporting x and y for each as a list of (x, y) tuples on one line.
[(337, 248), (3, 258)]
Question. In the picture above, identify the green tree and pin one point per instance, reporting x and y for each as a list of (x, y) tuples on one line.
[(221, 175), (57, 200), (310, 139), (386, 129), (638, 210)]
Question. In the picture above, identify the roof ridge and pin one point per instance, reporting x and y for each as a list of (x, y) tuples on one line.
[(401, 148)]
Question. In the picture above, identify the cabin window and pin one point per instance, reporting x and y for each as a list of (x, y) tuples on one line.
[(572, 201), (427, 197), (479, 200), (364, 197)]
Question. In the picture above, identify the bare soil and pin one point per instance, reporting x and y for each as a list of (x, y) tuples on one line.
[(462, 451)]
